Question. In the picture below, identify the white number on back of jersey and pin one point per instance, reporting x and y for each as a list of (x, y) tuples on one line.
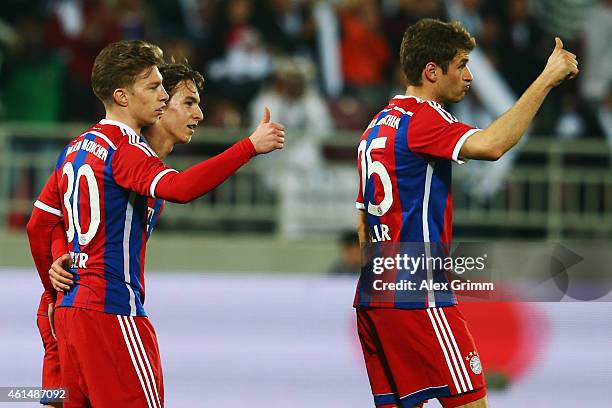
[(370, 167), (71, 196)]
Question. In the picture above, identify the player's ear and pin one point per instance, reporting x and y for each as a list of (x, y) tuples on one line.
[(120, 97), (431, 72)]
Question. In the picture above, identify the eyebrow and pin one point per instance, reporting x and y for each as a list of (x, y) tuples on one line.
[(191, 99)]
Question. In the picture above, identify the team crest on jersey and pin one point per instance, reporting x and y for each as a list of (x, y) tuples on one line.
[(474, 361)]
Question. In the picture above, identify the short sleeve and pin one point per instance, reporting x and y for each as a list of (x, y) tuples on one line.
[(49, 199), (137, 168), (435, 132)]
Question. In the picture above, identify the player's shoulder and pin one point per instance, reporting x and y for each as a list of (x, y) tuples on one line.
[(403, 105), (391, 114), (114, 132), (431, 111), (122, 137)]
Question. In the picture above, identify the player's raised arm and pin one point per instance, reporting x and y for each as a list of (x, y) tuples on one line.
[(506, 131), (203, 177), (147, 175)]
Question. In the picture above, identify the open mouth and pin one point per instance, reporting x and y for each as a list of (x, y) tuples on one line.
[(192, 127)]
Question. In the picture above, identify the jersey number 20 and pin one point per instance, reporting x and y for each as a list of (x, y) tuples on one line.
[(71, 196), (370, 167)]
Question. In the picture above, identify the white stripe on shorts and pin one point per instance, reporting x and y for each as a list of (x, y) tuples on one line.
[(443, 346), (137, 367), (146, 357), (456, 347)]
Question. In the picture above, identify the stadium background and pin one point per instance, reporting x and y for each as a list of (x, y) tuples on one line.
[(250, 288)]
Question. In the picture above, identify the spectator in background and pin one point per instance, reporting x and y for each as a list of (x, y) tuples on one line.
[(399, 14), (32, 76), (134, 19), (294, 98), (296, 102), (241, 61), (349, 262), (31, 85), (365, 54), (596, 83), (490, 39), (80, 29), (521, 51), (287, 27), (469, 12)]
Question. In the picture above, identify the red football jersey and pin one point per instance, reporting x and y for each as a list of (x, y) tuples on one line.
[(103, 185), (404, 161)]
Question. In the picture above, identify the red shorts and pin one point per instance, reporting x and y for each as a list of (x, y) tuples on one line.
[(419, 354), (51, 363), (108, 361)]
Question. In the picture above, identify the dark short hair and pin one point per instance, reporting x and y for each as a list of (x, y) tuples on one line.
[(431, 40), (119, 64), (175, 73)]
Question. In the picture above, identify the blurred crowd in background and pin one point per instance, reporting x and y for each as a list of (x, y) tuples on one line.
[(320, 65)]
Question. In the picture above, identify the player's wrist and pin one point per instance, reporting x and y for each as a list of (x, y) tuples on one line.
[(546, 81), (248, 147)]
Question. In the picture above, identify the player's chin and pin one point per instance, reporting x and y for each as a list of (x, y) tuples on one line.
[(184, 138), (458, 98), (154, 119)]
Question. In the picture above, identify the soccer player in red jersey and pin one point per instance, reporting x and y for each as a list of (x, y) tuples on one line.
[(108, 186), (422, 349)]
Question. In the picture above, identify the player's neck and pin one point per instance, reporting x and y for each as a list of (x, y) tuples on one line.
[(158, 141), (423, 93), (123, 117)]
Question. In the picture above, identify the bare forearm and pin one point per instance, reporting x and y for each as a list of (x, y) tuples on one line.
[(507, 130), (362, 228)]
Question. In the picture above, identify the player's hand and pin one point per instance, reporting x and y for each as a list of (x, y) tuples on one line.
[(51, 314), (561, 65), (61, 279), (268, 136)]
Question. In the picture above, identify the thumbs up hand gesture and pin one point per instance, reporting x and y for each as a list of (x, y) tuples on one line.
[(268, 136), (561, 65)]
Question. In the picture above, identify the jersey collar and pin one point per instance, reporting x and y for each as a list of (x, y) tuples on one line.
[(125, 128), (407, 97)]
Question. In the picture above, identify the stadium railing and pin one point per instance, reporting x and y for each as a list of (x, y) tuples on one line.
[(557, 189)]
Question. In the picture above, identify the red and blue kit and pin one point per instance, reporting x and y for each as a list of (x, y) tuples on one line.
[(405, 167), (108, 188), (102, 187)]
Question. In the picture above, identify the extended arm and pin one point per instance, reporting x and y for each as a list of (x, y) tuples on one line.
[(149, 176), (203, 177), (507, 130)]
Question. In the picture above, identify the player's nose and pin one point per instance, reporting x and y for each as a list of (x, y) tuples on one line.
[(163, 95), (467, 74), (199, 115)]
